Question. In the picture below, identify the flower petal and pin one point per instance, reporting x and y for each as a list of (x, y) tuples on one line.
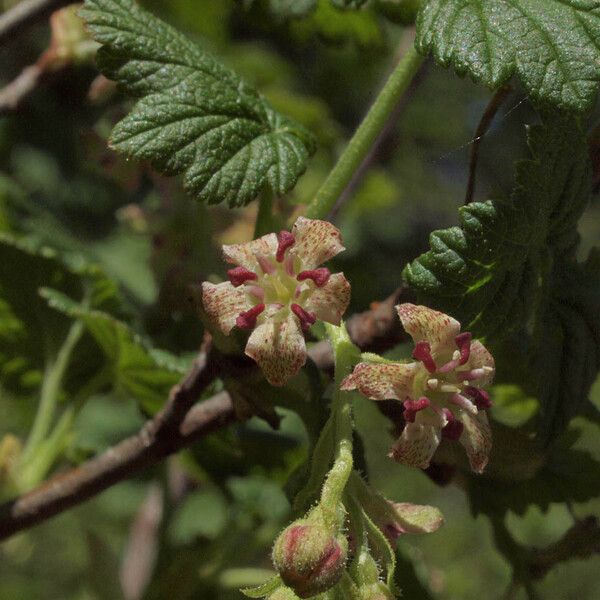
[(423, 323), (480, 357), (316, 241), (330, 302), (244, 255), (416, 445), (382, 381), (417, 518), (279, 349), (223, 303), (476, 439)]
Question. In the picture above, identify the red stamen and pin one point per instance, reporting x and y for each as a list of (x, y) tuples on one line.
[(463, 342), (320, 276), (286, 240), (247, 319), (481, 398), (412, 407), (453, 428), (422, 352), (240, 275), (306, 318)]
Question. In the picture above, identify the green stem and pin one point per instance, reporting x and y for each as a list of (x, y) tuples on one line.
[(346, 355), (365, 135), (53, 376), (264, 218)]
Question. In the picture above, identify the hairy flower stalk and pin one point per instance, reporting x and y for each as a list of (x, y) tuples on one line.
[(442, 391), (278, 290)]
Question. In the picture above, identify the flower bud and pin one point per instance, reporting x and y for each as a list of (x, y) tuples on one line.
[(309, 558)]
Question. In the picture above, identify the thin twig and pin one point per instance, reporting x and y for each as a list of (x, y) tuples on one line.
[(15, 92), (484, 124), (25, 14)]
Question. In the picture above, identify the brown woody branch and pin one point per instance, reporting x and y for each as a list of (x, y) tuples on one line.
[(177, 426)]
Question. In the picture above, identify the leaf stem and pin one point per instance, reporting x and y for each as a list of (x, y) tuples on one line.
[(358, 147), (264, 218), (53, 376)]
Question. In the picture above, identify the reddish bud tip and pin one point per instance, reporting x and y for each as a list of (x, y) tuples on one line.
[(309, 559), (286, 240), (412, 407), (320, 276), (463, 342), (454, 428), (306, 318), (422, 352), (481, 398), (240, 275), (247, 319)]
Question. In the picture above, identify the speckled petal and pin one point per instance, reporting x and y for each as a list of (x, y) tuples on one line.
[(316, 241), (223, 303), (279, 349), (330, 302), (423, 323), (244, 255), (382, 381), (417, 518), (416, 445), (476, 439), (480, 357)]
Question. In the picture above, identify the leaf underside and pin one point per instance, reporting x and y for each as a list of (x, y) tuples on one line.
[(193, 116), (510, 268), (553, 46)]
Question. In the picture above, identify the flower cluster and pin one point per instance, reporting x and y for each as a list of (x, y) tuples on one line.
[(278, 290), (441, 391)]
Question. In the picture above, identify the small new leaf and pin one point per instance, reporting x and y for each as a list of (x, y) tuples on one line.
[(194, 116), (553, 46)]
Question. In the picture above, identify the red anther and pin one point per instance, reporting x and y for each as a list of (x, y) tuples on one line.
[(320, 276), (412, 407), (306, 318), (481, 398), (453, 428), (247, 319), (286, 240), (422, 352), (463, 342), (240, 275)]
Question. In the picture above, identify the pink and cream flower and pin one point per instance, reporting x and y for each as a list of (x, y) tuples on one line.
[(278, 290), (442, 391)]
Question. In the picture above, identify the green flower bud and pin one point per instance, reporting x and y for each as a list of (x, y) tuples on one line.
[(309, 558)]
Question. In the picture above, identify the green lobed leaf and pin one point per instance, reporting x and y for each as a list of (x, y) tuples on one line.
[(138, 369), (553, 46), (511, 266), (194, 116)]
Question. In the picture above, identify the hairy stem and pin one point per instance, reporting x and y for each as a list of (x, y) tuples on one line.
[(264, 218), (53, 377), (365, 135), (346, 355)]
